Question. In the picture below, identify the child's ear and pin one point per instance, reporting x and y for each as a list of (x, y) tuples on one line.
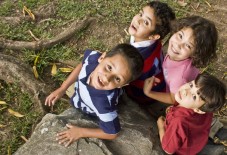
[(102, 57), (196, 110), (154, 37)]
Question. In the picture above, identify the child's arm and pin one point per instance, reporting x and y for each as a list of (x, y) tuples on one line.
[(161, 129), (162, 97), (74, 133), (58, 93)]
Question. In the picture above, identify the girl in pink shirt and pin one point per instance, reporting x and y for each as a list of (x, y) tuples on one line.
[(193, 45)]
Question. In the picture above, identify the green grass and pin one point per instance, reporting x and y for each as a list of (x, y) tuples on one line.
[(16, 127)]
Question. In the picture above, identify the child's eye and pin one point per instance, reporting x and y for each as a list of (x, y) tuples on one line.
[(180, 36), (109, 68), (190, 85), (117, 79), (194, 97), (146, 22), (188, 46)]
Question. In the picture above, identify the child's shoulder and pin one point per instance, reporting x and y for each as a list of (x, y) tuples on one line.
[(92, 55)]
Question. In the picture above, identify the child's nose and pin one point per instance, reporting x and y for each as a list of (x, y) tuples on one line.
[(106, 79)]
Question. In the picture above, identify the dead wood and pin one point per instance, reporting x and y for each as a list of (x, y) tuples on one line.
[(47, 43)]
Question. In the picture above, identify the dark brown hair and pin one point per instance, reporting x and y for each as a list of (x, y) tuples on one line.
[(205, 35), (212, 91), (164, 15)]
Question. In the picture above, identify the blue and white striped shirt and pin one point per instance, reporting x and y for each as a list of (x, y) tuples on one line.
[(100, 103)]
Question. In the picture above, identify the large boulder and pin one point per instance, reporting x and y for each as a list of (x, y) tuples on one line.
[(139, 135)]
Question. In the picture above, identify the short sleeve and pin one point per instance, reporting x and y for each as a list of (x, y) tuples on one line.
[(111, 127), (86, 54), (174, 137)]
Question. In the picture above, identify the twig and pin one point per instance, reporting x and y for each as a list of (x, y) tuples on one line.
[(37, 39)]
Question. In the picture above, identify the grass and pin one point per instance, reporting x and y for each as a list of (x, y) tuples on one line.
[(15, 126)]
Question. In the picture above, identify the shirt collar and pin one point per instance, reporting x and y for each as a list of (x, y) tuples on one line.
[(145, 43)]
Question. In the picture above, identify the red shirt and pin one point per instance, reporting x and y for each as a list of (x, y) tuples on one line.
[(186, 132)]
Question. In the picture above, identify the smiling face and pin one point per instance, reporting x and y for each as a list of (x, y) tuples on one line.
[(181, 45), (187, 96), (112, 72), (143, 24)]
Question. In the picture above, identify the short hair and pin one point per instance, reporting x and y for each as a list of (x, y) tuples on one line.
[(132, 56), (205, 36), (212, 91), (164, 15)]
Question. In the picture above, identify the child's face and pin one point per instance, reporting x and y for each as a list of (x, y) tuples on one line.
[(143, 24), (112, 72), (181, 45), (187, 96)]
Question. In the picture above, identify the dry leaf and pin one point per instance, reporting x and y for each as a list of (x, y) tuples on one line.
[(26, 10), (36, 60), (54, 70), (182, 3), (9, 150), (2, 126), (66, 70), (17, 114), (25, 139), (3, 102), (35, 72)]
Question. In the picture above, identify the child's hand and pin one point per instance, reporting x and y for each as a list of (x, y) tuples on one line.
[(54, 96), (69, 136), (149, 83), (161, 122)]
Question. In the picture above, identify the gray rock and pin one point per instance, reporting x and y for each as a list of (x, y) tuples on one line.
[(139, 135)]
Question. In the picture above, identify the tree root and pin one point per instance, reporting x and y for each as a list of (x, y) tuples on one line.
[(13, 70), (47, 43)]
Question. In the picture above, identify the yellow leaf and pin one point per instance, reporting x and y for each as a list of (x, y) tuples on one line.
[(9, 150), (25, 9), (2, 126), (24, 138), (2, 102), (66, 70), (36, 60), (17, 114), (54, 70), (35, 72)]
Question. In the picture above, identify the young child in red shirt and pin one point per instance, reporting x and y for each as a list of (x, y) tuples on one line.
[(187, 124)]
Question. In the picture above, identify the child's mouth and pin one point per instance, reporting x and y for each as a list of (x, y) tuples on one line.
[(179, 94), (100, 82), (133, 27), (174, 50)]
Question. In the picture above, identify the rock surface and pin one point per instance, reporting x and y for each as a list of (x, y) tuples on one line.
[(139, 135)]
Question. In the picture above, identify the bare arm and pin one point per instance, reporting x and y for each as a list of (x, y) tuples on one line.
[(74, 133), (58, 93), (161, 129), (162, 97)]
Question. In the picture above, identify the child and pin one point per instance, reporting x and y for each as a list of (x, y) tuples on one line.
[(147, 29), (192, 45), (98, 79), (186, 127)]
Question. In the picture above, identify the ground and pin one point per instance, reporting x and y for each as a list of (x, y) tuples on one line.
[(112, 19)]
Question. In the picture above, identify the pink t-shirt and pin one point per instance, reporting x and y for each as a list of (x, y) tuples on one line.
[(177, 73), (186, 132)]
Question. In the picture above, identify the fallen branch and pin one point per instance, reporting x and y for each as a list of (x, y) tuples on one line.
[(47, 43)]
